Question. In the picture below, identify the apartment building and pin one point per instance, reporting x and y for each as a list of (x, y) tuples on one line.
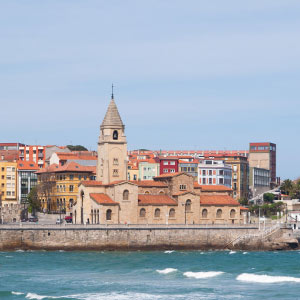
[(8, 182), (35, 154)]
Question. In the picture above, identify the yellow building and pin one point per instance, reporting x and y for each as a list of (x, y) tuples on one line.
[(240, 175), (133, 170), (58, 185), (8, 182)]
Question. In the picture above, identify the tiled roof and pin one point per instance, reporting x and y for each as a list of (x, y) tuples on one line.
[(166, 175), (218, 200), (102, 198), (112, 116), (77, 156), (9, 155), (91, 183), (150, 183), (244, 208), (27, 165), (147, 199), (194, 161), (68, 167), (212, 188)]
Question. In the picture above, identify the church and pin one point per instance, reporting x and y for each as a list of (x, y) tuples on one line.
[(167, 199)]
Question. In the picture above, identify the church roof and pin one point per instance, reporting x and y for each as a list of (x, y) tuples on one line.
[(147, 199), (103, 199), (218, 200), (112, 116)]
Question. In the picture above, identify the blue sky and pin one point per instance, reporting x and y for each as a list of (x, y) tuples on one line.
[(188, 74)]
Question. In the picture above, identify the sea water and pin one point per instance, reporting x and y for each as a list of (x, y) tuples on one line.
[(149, 275)]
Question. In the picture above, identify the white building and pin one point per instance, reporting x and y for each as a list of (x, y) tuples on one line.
[(214, 172)]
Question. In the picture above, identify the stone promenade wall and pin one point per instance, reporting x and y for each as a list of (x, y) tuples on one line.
[(123, 238)]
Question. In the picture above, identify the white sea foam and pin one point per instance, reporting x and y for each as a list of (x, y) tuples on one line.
[(232, 252), (169, 251), (201, 275), (166, 271), (35, 296), (247, 277), (19, 250), (245, 252), (17, 293), (8, 256)]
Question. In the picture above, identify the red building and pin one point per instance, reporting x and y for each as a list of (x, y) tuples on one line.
[(168, 164), (35, 154)]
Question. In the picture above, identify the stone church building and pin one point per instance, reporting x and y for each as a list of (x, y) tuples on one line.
[(168, 199)]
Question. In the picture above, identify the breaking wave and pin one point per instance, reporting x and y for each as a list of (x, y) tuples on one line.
[(232, 252), (201, 275), (17, 293), (166, 271), (169, 251), (266, 278)]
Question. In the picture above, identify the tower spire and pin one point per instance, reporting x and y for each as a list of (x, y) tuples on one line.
[(112, 91)]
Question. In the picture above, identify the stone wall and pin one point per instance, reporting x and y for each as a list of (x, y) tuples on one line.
[(123, 238)]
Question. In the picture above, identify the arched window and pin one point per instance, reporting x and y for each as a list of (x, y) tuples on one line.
[(157, 213), (82, 197), (108, 215), (147, 192), (188, 205), (92, 216), (98, 218), (125, 195), (115, 135), (172, 213), (204, 213), (142, 212), (219, 213), (161, 192), (232, 214)]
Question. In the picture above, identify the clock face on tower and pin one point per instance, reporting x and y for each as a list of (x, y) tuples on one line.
[(115, 135)]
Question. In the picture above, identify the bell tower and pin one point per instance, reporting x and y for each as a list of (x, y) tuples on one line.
[(112, 147)]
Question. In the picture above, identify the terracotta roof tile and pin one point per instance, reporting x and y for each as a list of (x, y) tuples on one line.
[(244, 208), (91, 183), (166, 175), (102, 198), (150, 183), (218, 200), (213, 188), (68, 167), (27, 165), (147, 199)]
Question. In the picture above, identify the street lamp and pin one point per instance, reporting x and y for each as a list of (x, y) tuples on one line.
[(184, 204)]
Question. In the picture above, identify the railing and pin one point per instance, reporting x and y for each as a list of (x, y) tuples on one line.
[(126, 226)]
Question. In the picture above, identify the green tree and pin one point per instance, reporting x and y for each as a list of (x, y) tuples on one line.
[(243, 201), (33, 201), (269, 197), (287, 186), (295, 193), (77, 148)]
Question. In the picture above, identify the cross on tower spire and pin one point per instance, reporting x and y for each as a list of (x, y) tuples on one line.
[(112, 91)]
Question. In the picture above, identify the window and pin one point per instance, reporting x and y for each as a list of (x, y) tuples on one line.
[(71, 176), (204, 172), (204, 213), (219, 213), (210, 172), (172, 163), (71, 188), (172, 170), (108, 215), (8, 193), (116, 161), (126, 195), (221, 172), (221, 181), (188, 205), (147, 192), (232, 214), (115, 135), (182, 187), (134, 177), (165, 163), (165, 170), (161, 193), (204, 180), (115, 172), (172, 213), (157, 213), (142, 212)]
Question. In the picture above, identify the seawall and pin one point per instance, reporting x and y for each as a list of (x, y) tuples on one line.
[(141, 238)]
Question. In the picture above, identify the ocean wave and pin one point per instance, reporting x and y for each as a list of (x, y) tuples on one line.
[(245, 252), (166, 271), (17, 293), (201, 275), (34, 296), (169, 251), (247, 277), (19, 250), (232, 252)]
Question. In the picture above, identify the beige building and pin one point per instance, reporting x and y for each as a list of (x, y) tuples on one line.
[(8, 182), (172, 198)]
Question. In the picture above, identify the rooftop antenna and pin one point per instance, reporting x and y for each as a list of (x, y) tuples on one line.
[(112, 91)]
